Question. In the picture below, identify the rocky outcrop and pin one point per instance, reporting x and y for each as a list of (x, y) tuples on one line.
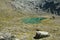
[(34, 6)]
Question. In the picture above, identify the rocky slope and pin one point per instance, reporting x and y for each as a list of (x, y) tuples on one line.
[(32, 6), (10, 22)]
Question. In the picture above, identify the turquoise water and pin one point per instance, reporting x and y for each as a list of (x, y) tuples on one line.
[(33, 20)]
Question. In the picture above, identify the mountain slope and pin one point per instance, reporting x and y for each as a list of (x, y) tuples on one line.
[(10, 22)]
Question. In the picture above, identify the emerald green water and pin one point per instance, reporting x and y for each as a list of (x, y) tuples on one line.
[(33, 20)]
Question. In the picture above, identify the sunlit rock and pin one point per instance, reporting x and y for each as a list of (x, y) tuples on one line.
[(41, 34)]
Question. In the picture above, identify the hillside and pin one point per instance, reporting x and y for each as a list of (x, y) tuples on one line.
[(10, 22)]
